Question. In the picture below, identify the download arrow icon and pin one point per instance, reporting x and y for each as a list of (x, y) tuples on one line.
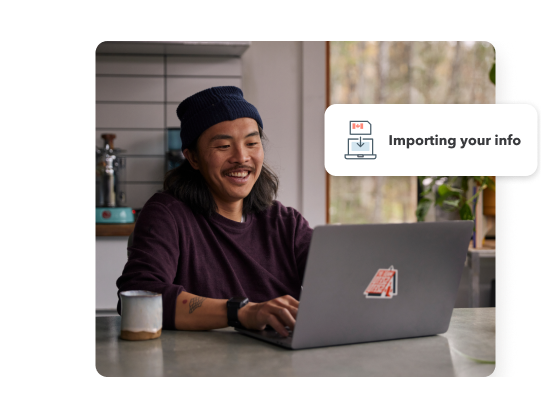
[(361, 143)]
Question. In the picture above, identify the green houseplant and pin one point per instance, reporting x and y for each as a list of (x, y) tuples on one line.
[(450, 193)]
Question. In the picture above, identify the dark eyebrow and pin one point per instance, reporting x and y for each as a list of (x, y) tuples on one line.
[(220, 136), (252, 134), (223, 136)]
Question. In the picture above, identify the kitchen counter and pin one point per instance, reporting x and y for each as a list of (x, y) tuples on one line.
[(114, 230), (467, 349)]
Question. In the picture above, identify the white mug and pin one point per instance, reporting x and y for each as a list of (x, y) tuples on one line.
[(141, 315)]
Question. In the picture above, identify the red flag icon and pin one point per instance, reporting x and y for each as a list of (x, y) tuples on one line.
[(360, 127)]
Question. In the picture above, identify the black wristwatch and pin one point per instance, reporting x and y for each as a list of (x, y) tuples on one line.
[(234, 304)]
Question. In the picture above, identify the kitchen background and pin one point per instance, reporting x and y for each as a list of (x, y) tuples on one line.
[(140, 84)]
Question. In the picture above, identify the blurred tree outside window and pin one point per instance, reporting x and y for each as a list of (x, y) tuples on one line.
[(400, 72)]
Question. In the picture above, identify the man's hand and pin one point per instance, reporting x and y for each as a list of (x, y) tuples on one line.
[(278, 313)]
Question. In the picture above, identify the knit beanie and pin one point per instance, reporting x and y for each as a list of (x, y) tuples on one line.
[(199, 112)]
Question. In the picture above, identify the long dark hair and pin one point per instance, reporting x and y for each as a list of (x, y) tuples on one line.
[(188, 185)]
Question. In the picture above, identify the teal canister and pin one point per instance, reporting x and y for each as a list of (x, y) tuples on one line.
[(174, 156)]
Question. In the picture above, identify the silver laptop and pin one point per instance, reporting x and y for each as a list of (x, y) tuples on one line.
[(377, 282)]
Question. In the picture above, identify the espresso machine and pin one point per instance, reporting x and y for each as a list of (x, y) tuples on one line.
[(111, 206)]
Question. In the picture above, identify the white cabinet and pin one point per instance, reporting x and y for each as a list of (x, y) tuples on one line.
[(110, 260)]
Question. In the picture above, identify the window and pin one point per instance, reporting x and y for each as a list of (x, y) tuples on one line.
[(399, 72)]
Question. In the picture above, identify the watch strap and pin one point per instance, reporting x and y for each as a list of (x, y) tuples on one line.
[(233, 305)]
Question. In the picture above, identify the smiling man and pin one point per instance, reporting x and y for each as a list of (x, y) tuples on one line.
[(216, 243)]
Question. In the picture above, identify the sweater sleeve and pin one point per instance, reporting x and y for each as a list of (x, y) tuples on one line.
[(153, 259), (303, 236)]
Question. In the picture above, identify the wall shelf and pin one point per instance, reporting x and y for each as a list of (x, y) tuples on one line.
[(114, 230), (235, 49)]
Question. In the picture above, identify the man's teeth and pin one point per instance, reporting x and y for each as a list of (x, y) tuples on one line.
[(239, 174)]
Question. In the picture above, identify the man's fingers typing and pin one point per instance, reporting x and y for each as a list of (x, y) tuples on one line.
[(293, 311), (278, 313), (274, 322), (291, 301), (282, 317)]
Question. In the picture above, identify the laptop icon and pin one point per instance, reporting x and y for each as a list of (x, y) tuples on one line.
[(360, 149), (351, 292)]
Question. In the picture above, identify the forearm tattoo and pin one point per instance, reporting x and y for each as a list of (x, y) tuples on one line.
[(195, 303)]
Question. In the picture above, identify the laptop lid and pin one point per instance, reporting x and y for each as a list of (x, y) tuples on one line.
[(343, 261)]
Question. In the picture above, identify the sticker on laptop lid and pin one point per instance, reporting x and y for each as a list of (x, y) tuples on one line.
[(383, 285)]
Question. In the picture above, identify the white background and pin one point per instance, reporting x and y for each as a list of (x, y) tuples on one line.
[(423, 121)]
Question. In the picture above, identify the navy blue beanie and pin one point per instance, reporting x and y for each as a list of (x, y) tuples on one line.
[(199, 112)]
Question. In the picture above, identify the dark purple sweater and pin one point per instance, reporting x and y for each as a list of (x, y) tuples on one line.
[(175, 250)]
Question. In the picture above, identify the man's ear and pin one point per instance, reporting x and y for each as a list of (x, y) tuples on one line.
[(192, 158)]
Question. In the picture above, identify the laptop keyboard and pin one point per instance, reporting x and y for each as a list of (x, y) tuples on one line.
[(270, 335), (289, 330), (277, 335)]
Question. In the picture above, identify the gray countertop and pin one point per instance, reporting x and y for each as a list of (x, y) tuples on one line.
[(467, 349)]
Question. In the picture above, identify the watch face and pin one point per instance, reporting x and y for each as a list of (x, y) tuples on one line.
[(239, 302)]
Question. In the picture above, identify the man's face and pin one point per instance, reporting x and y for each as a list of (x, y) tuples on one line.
[(229, 156)]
